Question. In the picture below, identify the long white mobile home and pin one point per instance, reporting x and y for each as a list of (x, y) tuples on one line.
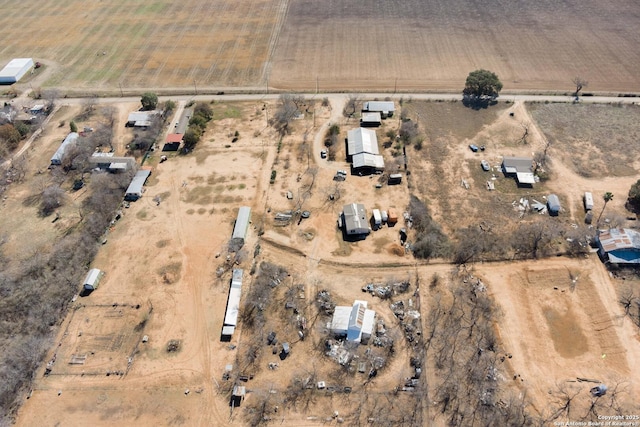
[(233, 304)]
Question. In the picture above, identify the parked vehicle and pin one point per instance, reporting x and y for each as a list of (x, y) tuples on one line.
[(485, 165), (473, 148)]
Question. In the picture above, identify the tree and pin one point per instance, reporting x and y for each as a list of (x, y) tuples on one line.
[(634, 196), (580, 83), (149, 101), (191, 137), (351, 105), (73, 127), (482, 84), (607, 198), (287, 110)]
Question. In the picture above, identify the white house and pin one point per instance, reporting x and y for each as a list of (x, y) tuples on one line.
[(355, 323)]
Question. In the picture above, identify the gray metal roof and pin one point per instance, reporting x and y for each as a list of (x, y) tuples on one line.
[(15, 69), (135, 188), (371, 117), (362, 140), (382, 106), (355, 218), (56, 159), (242, 223), (553, 202), (366, 160)]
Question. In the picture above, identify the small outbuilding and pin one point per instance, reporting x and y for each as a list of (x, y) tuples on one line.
[(588, 201), (355, 322), (393, 216), (385, 108), (241, 227), (553, 205), (619, 245), (520, 168), (92, 280), (15, 70), (172, 142), (107, 161), (141, 118), (354, 220), (70, 139), (370, 119), (394, 179), (135, 189), (367, 163), (238, 394)]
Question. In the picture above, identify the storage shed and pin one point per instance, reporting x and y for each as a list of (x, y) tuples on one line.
[(394, 179), (15, 70), (355, 322), (241, 227), (553, 204), (588, 201), (92, 280), (385, 108), (365, 163), (393, 216), (141, 118), (172, 142), (354, 219), (135, 189), (370, 119), (71, 139), (520, 168)]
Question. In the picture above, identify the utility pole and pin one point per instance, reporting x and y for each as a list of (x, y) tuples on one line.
[(395, 86), (195, 88), (121, 93), (316, 85)]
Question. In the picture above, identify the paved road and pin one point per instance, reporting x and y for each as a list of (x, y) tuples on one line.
[(418, 96)]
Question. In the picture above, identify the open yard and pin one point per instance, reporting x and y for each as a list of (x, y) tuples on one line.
[(168, 270), (331, 45)]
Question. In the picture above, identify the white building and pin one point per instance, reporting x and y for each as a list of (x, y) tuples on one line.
[(233, 304), (71, 139), (355, 323), (15, 69)]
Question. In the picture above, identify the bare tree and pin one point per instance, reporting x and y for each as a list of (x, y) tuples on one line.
[(579, 83), (351, 106), (50, 96), (286, 111), (52, 198)]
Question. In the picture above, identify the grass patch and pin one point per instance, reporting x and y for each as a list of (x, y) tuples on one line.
[(162, 243), (200, 195)]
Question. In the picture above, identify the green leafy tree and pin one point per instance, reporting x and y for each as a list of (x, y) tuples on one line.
[(482, 84), (149, 101), (72, 126), (634, 196), (191, 137)]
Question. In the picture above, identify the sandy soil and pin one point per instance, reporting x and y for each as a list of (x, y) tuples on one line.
[(162, 280)]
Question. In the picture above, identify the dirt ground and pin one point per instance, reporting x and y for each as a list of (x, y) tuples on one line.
[(167, 277), (305, 45)]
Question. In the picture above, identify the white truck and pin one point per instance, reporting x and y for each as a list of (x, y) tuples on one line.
[(377, 218)]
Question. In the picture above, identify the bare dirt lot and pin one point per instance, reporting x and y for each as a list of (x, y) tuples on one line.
[(167, 277), (298, 45), (433, 45)]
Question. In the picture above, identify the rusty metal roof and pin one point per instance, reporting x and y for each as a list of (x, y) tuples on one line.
[(619, 238)]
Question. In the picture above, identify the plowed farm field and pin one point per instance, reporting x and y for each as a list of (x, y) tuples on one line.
[(148, 43), (328, 45)]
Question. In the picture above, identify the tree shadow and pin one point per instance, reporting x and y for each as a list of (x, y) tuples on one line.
[(478, 102)]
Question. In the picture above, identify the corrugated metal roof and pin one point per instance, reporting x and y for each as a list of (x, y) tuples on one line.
[(355, 218), (384, 106), (56, 159), (371, 117), (367, 160), (242, 223), (15, 69), (135, 188), (619, 238), (174, 137), (362, 140)]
